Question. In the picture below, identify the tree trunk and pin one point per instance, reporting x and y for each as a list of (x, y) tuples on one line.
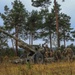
[(12, 41), (64, 40), (58, 39), (16, 42), (50, 42), (57, 25), (31, 38), (50, 38)]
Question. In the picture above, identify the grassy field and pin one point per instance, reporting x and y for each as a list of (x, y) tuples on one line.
[(58, 68)]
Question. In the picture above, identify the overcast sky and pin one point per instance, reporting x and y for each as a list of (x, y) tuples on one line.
[(68, 7)]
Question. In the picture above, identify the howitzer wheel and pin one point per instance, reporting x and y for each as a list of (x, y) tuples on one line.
[(38, 58)]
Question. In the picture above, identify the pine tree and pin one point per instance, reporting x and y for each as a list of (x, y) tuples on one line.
[(46, 3), (3, 40), (15, 18), (32, 25)]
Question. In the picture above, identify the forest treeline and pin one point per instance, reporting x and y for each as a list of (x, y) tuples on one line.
[(52, 26)]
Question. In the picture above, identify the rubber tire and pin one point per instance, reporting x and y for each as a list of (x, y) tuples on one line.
[(38, 58)]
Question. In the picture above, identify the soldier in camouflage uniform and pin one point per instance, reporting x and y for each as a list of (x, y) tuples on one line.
[(51, 53), (68, 53), (46, 54), (46, 51), (57, 54)]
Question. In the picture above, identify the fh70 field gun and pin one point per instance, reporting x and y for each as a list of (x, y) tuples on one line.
[(35, 55)]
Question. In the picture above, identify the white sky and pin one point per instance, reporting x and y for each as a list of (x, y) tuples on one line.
[(68, 7)]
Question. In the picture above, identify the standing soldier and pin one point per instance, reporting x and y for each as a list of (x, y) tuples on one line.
[(46, 55), (57, 54), (51, 53), (46, 51), (68, 53)]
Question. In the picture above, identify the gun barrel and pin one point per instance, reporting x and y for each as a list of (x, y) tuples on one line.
[(21, 43)]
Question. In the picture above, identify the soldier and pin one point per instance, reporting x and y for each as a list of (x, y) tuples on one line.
[(46, 51), (51, 53), (57, 55), (68, 52)]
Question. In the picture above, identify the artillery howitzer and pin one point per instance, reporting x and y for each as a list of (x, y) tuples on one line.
[(32, 53)]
